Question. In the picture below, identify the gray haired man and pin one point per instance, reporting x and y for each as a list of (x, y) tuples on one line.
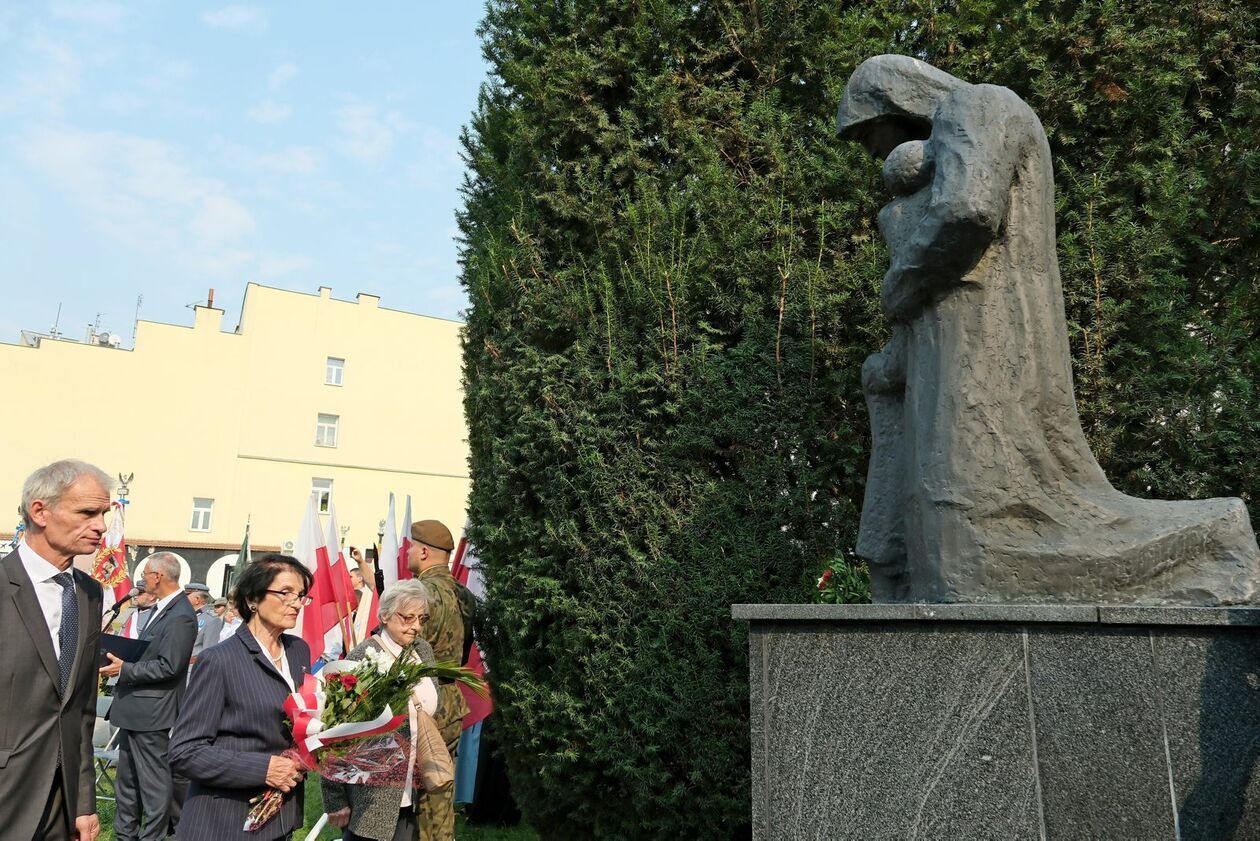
[(146, 703), (50, 620)]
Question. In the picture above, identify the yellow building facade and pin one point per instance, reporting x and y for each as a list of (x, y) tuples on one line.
[(309, 393)]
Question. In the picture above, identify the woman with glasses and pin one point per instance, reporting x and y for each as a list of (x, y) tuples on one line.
[(383, 813), (231, 731)]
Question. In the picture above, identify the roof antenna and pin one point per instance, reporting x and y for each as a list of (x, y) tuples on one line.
[(53, 333), (135, 324)]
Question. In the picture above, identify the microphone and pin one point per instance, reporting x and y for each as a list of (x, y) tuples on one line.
[(135, 591)]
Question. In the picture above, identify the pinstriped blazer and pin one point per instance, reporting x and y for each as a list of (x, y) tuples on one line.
[(231, 724)]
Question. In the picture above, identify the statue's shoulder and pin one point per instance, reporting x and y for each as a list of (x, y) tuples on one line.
[(987, 96)]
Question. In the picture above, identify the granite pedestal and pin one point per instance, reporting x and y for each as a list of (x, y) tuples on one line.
[(1004, 722)]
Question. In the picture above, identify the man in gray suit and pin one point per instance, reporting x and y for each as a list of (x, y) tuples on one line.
[(50, 619), (146, 703)]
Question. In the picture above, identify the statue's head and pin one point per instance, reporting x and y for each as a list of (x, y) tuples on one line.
[(889, 100)]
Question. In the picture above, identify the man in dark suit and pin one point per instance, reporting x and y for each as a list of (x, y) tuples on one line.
[(50, 618), (146, 703)]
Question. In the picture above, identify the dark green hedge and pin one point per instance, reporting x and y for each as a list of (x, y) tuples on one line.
[(673, 273)]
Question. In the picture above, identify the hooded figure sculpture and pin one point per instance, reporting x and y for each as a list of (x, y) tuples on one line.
[(981, 486)]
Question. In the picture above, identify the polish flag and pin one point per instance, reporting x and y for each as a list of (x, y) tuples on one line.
[(389, 547), (365, 618), (310, 545), (340, 611), (467, 571), (404, 542)]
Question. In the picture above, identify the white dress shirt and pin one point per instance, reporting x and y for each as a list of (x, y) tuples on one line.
[(47, 591), (161, 605), (281, 666)]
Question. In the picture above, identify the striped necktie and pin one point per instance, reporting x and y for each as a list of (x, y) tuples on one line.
[(68, 636)]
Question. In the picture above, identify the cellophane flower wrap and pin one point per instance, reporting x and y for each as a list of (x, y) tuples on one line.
[(349, 722)]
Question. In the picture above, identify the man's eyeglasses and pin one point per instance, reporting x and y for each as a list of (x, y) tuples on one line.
[(290, 598)]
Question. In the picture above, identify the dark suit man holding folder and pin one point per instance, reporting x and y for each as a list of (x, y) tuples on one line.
[(146, 704), (50, 619)]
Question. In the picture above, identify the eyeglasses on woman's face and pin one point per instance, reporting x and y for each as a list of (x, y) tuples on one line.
[(289, 597)]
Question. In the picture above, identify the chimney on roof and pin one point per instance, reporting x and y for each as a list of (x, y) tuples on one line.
[(210, 298)]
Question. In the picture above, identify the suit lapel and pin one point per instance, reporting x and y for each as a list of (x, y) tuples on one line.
[(161, 617), (297, 667), (22, 591)]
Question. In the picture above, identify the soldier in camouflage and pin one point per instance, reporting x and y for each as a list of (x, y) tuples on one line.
[(429, 560)]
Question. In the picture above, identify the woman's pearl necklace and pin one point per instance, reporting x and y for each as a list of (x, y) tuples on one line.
[(275, 659)]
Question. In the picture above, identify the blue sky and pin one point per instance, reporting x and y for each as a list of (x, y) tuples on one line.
[(163, 148)]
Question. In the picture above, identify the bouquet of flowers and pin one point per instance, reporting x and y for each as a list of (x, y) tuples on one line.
[(346, 719)]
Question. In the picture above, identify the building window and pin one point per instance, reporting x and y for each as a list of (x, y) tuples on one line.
[(322, 488), (202, 509), (326, 431), (334, 369)]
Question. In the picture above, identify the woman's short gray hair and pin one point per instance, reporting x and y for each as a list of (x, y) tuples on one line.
[(400, 594), (50, 482)]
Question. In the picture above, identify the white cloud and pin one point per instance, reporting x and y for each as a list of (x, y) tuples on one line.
[(269, 112), (167, 76), (220, 219), (271, 266), (250, 18), (368, 135), (437, 160), (52, 73), (139, 192), (282, 75), (99, 14), (294, 160), (125, 104)]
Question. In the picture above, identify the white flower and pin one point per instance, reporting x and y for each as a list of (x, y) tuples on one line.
[(378, 660)]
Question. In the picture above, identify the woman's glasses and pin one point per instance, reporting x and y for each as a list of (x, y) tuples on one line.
[(291, 598)]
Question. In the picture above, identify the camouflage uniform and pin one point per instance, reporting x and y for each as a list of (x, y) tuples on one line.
[(445, 632)]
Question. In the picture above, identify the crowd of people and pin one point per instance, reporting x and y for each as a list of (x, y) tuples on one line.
[(199, 710)]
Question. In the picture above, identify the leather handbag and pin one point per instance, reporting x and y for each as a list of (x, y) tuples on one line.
[(435, 770)]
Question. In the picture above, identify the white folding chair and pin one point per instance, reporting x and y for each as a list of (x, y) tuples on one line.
[(318, 828), (104, 749)]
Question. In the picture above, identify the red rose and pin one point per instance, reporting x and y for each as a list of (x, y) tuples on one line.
[(826, 578), (348, 681)]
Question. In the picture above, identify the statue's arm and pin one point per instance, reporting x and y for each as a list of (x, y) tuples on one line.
[(977, 135)]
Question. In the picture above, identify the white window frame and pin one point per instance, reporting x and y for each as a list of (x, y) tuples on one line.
[(334, 371), (202, 515), (324, 489), (327, 430)]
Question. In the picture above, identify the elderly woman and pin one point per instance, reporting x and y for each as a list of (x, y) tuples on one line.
[(231, 733), (384, 813)]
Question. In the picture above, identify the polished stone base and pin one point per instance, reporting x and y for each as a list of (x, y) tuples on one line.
[(1004, 722)]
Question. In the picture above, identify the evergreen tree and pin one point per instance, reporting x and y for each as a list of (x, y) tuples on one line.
[(673, 273)]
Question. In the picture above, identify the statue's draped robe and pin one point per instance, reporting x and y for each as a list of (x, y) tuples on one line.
[(983, 487)]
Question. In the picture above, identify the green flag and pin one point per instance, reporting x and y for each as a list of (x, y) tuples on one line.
[(242, 559)]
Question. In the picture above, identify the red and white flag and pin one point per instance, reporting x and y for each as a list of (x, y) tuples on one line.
[(467, 571), (310, 545), (404, 542), (389, 547), (341, 609), (110, 566)]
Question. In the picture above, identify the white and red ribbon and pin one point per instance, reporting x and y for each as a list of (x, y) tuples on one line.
[(306, 709)]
